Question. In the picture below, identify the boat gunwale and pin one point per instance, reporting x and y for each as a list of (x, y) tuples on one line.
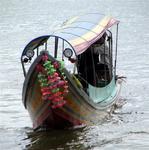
[(78, 90)]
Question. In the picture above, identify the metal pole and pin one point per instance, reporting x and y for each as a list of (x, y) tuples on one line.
[(116, 49), (62, 49), (56, 47), (37, 51), (93, 65)]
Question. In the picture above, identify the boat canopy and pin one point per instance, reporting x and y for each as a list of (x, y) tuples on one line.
[(80, 32)]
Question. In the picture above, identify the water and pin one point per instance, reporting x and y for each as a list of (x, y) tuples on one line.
[(21, 21)]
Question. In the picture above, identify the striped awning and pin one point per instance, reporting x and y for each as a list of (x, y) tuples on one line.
[(84, 30), (80, 31)]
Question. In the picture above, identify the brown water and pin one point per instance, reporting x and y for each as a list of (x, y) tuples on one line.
[(128, 128)]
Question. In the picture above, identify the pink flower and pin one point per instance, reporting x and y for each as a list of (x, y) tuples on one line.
[(44, 57)]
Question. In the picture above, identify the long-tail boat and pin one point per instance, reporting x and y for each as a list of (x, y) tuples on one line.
[(70, 75)]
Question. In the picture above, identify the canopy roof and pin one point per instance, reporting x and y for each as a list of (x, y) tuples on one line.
[(80, 31)]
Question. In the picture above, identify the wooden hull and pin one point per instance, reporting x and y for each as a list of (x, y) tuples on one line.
[(79, 108)]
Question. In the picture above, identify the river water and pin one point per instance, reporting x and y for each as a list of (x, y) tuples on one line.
[(128, 127)]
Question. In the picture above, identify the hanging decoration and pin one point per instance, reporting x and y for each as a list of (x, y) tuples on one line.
[(52, 81)]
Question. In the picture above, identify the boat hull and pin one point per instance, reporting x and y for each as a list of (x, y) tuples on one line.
[(79, 109)]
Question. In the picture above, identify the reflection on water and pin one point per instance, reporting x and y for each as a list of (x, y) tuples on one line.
[(56, 139), (24, 20), (114, 133)]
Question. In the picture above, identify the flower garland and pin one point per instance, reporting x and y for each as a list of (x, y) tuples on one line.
[(52, 81)]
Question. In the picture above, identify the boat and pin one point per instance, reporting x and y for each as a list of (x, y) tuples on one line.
[(70, 75)]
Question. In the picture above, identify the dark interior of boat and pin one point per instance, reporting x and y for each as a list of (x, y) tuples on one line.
[(91, 71)]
